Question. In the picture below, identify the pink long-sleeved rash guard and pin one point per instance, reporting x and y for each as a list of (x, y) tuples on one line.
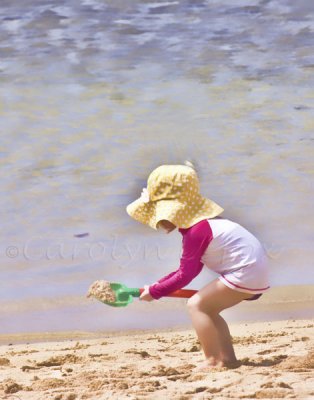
[(226, 248), (195, 241)]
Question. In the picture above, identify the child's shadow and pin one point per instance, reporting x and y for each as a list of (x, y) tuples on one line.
[(264, 362)]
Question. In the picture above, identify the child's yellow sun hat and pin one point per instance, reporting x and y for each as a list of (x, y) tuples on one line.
[(173, 194)]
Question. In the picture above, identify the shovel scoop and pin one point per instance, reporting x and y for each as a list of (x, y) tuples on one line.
[(119, 295)]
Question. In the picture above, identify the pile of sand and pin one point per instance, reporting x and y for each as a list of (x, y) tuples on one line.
[(102, 291)]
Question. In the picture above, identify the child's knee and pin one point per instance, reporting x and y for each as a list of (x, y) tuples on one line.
[(193, 303), (196, 303)]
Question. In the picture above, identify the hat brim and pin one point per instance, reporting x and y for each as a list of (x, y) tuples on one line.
[(142, 211), (181, 214), (151, 212)]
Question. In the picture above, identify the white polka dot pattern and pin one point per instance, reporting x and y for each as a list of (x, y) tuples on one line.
[(173, 192)]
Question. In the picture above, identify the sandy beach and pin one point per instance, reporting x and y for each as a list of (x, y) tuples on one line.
[(277, 361)]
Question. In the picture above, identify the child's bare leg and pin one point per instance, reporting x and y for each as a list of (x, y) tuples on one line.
[(226, 347), (212, 330)]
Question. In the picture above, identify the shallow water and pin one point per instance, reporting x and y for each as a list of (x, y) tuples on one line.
[(95, 95)]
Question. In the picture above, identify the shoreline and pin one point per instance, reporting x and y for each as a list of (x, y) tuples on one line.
[(62, 336), (281, 303)]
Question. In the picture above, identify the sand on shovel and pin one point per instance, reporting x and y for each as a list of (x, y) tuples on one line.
[(102, 291)]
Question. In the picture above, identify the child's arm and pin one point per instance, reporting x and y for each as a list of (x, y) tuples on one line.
[(166, 277), (195, 242)]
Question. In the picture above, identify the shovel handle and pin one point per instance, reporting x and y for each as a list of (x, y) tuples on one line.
[(183, 293)]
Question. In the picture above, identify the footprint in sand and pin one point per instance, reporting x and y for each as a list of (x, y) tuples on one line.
[(299, 364), (264, 362), (60, 360)]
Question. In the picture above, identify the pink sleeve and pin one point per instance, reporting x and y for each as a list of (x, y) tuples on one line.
[(164, 278), (195, 241)]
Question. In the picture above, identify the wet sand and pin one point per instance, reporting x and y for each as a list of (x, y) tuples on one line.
[(277, 361)]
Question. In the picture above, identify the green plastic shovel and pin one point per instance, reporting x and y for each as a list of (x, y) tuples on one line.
[(124, 295)]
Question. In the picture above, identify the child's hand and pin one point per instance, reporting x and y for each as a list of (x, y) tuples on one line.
[(145, 294)]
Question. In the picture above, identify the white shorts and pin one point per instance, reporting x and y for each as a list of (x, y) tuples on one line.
[(252, 278)]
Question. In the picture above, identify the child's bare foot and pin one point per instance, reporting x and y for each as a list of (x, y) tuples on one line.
[(212, 364), (232, 364), (209, 364)]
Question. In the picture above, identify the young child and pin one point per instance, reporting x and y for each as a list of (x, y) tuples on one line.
[(172, 200)]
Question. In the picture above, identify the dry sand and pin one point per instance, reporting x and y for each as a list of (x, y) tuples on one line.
[(277, 362)]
